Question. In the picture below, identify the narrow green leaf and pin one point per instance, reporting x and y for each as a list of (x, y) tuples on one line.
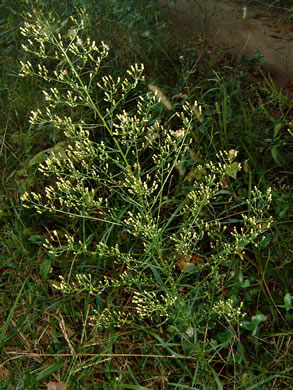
[(12, 310), (49, 370), (275, 154)]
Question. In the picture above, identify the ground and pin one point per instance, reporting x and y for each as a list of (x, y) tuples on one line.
[(240, 29)]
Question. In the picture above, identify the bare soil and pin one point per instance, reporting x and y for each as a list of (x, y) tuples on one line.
[(225, 24)]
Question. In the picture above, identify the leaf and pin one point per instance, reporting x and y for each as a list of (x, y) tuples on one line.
[(36, 239), (232, 170), (157, 276), (188, 346), (50, 370), (258, 318), (265, 241), (245, 283), (283, 211), (71, 33), (247, 325), (223, 192), (57, 151), (38, 158), (195, 174), (10, 315), (226, 337), (287, 301), (275, 154), (45, 268), (277, 129), (246, 166), (29, 381), (217, 380)]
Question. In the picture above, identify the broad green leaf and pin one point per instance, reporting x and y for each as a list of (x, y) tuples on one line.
[(45, 268), (287, 301), (232, 170), (265, 241), (258, 318), (195, 174), (57, 151)]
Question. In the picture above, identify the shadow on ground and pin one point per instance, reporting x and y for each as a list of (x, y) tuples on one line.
[(238, 29)]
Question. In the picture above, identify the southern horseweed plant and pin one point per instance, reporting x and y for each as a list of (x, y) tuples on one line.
[(118, 176)]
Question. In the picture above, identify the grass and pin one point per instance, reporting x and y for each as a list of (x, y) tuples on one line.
[(141, 249)]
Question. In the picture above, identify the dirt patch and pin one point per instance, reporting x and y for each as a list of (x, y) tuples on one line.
[(239, 29)]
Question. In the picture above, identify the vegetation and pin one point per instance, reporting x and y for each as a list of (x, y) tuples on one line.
[(146, 206)]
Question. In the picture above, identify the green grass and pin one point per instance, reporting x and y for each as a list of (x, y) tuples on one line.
[(138, 254)]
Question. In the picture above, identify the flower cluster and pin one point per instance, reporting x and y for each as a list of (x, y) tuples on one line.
[(226, 309), (148, 304), (112, 177)]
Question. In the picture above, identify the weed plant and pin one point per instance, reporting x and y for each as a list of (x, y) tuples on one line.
[(144, 229)]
